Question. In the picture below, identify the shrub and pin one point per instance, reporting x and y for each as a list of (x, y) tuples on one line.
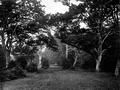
[(68, 63), (22, 62), (45, 63), (18, 71), (11, 64), (87, 61), (32, 67), (65, 64), (13, 73)]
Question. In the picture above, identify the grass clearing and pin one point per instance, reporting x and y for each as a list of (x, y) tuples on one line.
[(56, 79)]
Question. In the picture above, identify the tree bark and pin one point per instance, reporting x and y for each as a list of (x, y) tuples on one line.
[(76, 56), (117, 68), (7, 48), (66, 51), (40, 58), (4, 49), (98, 61)]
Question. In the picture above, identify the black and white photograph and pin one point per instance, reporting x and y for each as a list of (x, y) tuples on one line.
[(59, 45)]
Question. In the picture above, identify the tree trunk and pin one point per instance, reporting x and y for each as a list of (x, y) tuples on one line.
[(40, 63), (66, 51), (40, 58), (8, 56), (7, 59), (98, 61), (117, 68), (76, 55), (4, 50)]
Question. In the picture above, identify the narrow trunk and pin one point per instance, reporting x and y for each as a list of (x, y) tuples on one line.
[(8, 56), (4, 50), (99, 54), (75, 59), (116, 71), (40, 63), (98, 61), (8, 51), (66, 51), (40, 58), (7, 59), (117, 68)]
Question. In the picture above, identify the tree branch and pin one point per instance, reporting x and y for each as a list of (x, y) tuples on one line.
[(106, 36)]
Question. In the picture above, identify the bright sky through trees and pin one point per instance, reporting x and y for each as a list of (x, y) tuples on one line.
[(54, 7)]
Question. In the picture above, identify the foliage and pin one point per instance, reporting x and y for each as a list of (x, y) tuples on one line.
[(25, 50), (13, 73), (86, 61), (11, 64), (67, 63), (22, 62), (45, 63), (23, 21), (101, 19), (44, 39), (32, 67), (69, 23)]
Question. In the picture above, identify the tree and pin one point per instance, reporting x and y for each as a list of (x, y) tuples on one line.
[(103, 20), (5, 12), (20, 20), (100, 17)]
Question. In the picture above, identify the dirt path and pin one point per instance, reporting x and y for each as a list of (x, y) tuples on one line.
[(54, 79)]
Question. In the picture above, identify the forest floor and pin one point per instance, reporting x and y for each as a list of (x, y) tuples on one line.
[(58, 79)]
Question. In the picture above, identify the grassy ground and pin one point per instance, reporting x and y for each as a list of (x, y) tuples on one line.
[(57, 79)]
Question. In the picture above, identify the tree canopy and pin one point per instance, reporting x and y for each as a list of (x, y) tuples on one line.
[(23, 22), (101, 19)]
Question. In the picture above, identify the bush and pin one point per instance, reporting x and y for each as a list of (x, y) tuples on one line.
[(45, 63), (11, 64), (32, 67), (2, 76), (87, 61), (19, 72), (65, 64), (13, 73), (68, 63), (22, 62)]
